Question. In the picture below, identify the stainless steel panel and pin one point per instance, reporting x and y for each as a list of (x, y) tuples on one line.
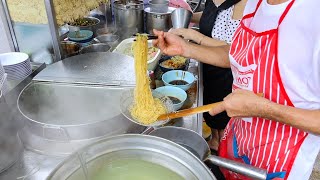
[(92, 68)]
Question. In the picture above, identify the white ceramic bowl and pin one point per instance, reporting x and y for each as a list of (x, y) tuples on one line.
[(152, 63)]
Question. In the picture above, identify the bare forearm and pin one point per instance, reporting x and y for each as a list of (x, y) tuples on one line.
[(217, 56), (307, 120), (196, 17), (207, 41)]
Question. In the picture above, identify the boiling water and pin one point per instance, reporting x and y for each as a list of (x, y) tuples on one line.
[(135, 169)]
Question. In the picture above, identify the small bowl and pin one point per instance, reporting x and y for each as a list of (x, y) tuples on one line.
[(100, 47), (173, 92), (70, 48), (177, 75), (81, 36), (165, 69), (110, 39)]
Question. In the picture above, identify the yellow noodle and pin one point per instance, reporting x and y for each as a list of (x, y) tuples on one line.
[(146, 109)]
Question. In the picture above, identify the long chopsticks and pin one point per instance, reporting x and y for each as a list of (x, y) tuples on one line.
[(150, 37), (191, 111)]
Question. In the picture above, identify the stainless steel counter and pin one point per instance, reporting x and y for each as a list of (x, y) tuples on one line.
[(35, 166)]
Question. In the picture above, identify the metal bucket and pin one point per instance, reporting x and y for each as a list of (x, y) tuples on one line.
[(88, 161), (128, 17), (199, 147), (11, 147), (159, 21)]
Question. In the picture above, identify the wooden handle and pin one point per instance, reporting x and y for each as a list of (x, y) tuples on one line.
[(191, 111)]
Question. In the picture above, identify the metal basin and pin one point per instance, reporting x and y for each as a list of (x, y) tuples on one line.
[(68, 112), (148, 148)]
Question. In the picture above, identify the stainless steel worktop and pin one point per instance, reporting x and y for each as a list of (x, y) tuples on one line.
[(35, 166)]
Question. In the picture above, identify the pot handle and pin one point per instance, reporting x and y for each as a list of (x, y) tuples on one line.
[(244, 169)]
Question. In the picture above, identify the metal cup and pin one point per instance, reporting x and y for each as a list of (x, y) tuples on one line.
[(181, 18)]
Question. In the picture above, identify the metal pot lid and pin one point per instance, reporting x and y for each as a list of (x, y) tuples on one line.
[(134, 4), (170, 10), (104, 68)]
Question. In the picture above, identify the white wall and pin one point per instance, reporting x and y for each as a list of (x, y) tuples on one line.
[(4, 40)]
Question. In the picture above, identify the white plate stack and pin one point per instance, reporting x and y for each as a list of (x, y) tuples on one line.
[(16, 65)]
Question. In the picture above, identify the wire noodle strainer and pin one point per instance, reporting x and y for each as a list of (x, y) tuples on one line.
[(127, 101)]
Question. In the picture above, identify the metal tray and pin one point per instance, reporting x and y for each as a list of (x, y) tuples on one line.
[(66, 112), (93, 68)]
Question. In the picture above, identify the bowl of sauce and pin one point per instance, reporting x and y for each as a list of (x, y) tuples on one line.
[(175, 94), (178, 78)]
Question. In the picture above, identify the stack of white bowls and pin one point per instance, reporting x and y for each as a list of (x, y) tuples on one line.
[(16, 65), (3, 80)]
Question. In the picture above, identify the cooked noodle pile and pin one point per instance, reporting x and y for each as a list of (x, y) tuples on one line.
[(145, 109)]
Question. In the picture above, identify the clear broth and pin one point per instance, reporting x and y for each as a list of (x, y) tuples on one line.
[(134, 169)]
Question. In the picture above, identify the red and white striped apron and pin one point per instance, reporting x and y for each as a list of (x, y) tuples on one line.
[(256, 141)]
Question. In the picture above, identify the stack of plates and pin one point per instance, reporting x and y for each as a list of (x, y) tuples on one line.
[(16, 65), (3, 80)]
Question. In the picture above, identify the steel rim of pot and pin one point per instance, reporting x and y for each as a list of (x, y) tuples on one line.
[(148, 139), (241, 168)]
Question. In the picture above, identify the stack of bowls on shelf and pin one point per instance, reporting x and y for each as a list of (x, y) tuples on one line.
[(16, 65), (3, 80)]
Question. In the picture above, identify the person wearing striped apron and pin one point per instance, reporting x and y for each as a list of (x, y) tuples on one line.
[(280, 131)]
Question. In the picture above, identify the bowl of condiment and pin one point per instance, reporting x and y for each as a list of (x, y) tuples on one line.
[(178, 78), (168, 63), (82, 36), (85, 23), (175, 94), (126, 48), (100, 47)]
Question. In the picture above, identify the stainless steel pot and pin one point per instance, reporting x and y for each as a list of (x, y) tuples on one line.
[(159, 21), (128, 17), (148, 148), (199, 147), (11, 147)]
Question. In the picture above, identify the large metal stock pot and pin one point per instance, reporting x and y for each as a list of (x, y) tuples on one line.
[(148, 148), (129, 16)]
